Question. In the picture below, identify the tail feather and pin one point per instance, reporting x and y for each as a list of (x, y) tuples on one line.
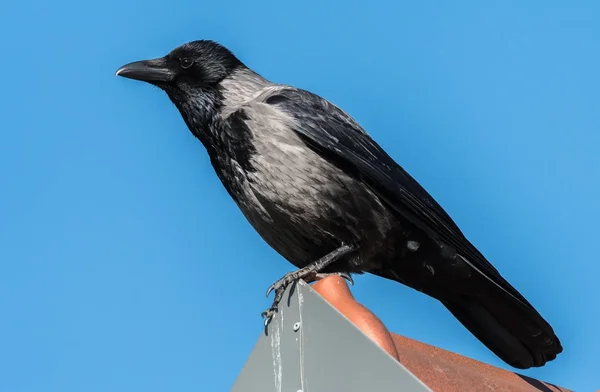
[(514, 332), (481, 299), (492, 310)]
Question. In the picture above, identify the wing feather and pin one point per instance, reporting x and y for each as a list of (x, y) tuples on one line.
[(333, 133)]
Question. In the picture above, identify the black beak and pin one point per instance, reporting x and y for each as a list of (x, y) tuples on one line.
[(149, 71)]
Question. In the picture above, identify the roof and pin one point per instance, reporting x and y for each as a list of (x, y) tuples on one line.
[(445, 371), (323, 339), (439, 369)]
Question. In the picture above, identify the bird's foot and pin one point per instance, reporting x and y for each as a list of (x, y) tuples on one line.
[(308, 274), (291, 277)]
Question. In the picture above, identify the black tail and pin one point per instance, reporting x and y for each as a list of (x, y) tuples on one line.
[(514, 331), (486, 304)]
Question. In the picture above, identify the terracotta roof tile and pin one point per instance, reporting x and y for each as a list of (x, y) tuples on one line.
[(444, 371), (440, 370)]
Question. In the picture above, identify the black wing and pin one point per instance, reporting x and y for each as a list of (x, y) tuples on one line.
[(332, 132), (500, 317)]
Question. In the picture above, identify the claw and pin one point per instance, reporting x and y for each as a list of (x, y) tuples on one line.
[(271, 288), (269, 314), (348, 277)]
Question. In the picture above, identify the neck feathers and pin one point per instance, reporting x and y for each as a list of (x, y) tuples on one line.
[(241, 86), (204, 110)]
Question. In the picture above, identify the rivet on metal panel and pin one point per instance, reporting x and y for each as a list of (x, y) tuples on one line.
[(296, 328)]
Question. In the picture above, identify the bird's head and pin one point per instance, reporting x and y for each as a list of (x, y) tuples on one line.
[(190, 75), (193, 67)]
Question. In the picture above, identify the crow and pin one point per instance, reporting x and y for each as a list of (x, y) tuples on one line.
[(324, 195)]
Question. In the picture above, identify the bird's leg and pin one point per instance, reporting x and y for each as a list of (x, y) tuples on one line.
[(310, 272)]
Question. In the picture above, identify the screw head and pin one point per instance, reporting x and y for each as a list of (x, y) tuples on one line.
[(296, 328)]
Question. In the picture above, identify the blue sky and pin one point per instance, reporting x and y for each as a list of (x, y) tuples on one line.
[(125, 266)]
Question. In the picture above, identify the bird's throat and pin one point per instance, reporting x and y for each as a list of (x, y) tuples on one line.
[(199, 110)]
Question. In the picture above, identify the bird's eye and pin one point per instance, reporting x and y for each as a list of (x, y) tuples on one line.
[(186, 63)]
